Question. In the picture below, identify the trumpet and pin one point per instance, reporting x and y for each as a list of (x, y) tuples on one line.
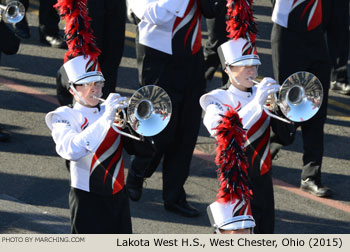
[(148, 112), (299, 98), (13, 12)]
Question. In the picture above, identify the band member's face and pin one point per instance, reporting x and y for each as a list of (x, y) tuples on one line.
[(89, 92), (239, 231), (243, 75)]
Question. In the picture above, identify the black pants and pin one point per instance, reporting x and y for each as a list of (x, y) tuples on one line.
[(293, 52), (9, 42), (48, 17), (336, 25), (108, 25), (217, 35), (97, 214), (263, 204), (183, 79)]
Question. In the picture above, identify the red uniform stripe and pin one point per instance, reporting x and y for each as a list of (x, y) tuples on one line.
[(116, 157), (105, 145), (261, 144), (178, 19), (119, 182), (198, 42), (85, 122), (266, 166), (192, 25), (306, 8), (317, 17), (196, 19), (257, 125)]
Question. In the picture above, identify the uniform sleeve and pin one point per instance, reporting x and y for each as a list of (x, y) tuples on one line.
[(212, 104), (73, 145), (158, 12), (249, 114), (281, 12), (212, 117)]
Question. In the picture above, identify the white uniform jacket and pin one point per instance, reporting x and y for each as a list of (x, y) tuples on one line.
[(161, 19), (85, 137), (254, 119), (309, 10)]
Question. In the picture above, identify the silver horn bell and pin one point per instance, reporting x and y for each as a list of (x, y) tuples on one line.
[(299, 98), (148, 112), (13, 12)]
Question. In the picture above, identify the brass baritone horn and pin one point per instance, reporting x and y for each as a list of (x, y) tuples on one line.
[(13, 12), (148, 112), (299, 98)]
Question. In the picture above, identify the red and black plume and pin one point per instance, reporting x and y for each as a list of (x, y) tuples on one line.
[(231, 158), (240, 21), (78, 34)]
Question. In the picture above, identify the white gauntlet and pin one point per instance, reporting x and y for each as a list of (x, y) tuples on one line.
[(112, 104), (266, 87)]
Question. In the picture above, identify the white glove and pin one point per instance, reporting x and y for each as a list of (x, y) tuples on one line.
[(112, 104), (266, 87)]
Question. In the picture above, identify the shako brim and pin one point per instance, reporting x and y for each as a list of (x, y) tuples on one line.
[(90, 77), (247, 60), (238, 222)]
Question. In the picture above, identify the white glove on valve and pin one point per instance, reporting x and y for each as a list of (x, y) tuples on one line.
[(266, 87), (112, 104)]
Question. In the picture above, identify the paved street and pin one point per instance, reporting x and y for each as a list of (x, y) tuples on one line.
[(34, 182)]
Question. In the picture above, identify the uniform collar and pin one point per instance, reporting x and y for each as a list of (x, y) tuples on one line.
[(85, 109), (240, 93)]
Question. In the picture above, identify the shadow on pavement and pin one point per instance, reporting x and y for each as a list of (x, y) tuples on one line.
[(293, 223), (337, 182), (32, 223), (34, 190)]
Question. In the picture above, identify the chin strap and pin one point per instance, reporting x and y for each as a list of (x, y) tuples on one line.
[(77, 94), (231, 75)]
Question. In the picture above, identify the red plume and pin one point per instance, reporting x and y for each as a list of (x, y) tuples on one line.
[(240, 21), (79, 37), (231, 158)]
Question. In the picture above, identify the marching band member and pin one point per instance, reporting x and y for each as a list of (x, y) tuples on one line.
[(169, 54), (83, 134), (298, 43), (240, 60)]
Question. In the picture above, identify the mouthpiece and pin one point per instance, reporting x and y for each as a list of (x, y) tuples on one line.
[(98, 98), (254, 81)]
